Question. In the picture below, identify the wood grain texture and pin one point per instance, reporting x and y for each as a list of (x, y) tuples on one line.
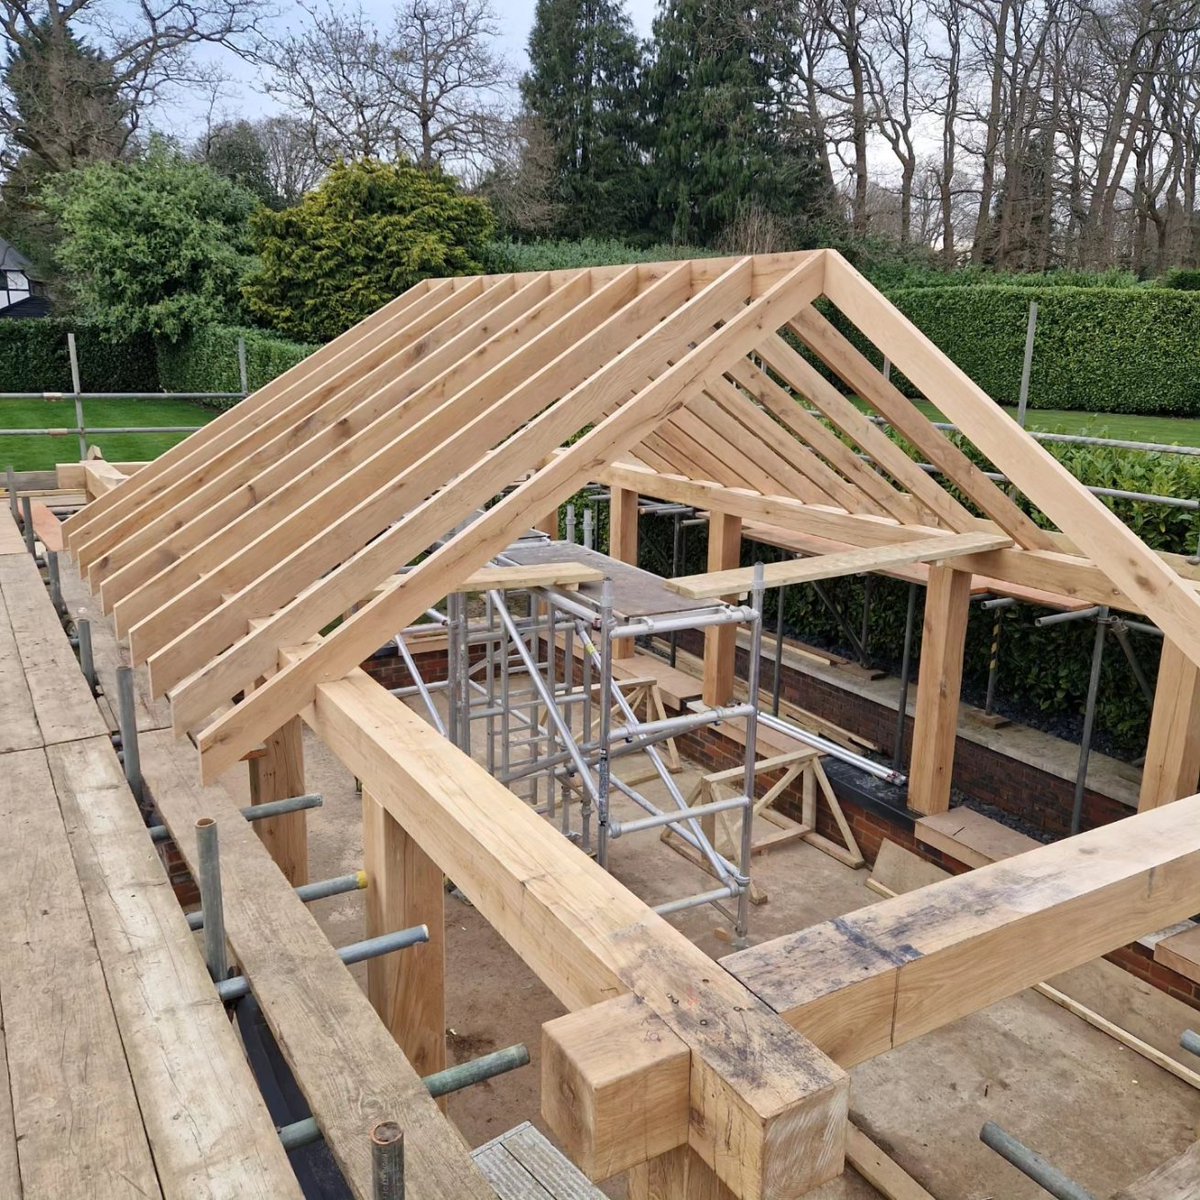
[(1178, 1179), (78, 1124), (351, 1071), (62, 704), (767, 1110), (1172, 766), (939, 688), (406, 888), (886, 974), (739, 580), (278, 774), (720, 641), (208, 1127)]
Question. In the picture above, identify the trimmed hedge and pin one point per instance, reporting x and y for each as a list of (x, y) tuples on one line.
[(207, 360), (501, 257), (1119, 350), (1043, 675), (34, 358)]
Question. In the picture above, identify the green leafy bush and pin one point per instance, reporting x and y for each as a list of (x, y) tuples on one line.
[(34, 358), (1043, 675), (369, 232), (207, 360), (157, 245), (1182, 279), (1103, 349)]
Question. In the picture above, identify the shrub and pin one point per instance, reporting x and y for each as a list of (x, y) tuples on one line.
[(1182, 279), (159, 245), (370, 231), (34, 358), (1128, 350), (207, 361)]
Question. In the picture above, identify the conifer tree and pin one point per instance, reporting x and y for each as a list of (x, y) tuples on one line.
[(582, 88)]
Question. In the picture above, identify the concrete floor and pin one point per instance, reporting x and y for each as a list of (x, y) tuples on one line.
[(1097, 1110)]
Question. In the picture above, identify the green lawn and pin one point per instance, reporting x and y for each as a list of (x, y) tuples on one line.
[(1183, 431), (39, 453)]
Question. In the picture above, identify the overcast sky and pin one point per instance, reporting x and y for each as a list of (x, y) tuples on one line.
[(245, 99)]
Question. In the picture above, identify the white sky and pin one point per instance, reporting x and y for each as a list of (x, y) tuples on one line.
[(244, 99)]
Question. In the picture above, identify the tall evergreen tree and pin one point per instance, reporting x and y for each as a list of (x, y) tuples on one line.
[(726, 144), (582, 88)]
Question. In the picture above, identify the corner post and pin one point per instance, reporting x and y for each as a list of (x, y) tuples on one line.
[(1172, 768), (405, 888), (939, 686), (720, 641), (278, 775)]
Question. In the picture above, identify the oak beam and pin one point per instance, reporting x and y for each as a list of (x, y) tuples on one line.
[(1172, 767), (939, 686), (879, 977)]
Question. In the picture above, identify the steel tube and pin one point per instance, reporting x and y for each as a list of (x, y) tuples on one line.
[(910, 620), (1089, 720), (780, 725), (1190, 1041), (121, 396), (701, 619), (422, 688), (387, 1161), (69, 432), (208, 853), (87, 662), (55, 582), (11, 484), (442, 1083), (674, 906), (1063, 618), (27, 523), (255, 812), (308, 892), (670, 726), (754, 680), (1031, 1164), (127, 720), (376, 947), (622, 828)]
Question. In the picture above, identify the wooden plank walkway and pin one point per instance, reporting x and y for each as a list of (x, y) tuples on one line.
[(120, 1075), (11, 541), (351, 1071)]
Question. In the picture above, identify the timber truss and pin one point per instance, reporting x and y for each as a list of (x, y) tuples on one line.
[(460, 415)]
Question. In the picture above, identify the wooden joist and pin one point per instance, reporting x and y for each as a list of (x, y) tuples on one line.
[(1177, 1179), (831, 566)]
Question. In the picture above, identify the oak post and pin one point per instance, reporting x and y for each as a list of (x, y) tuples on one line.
[(405, 888), (278, 774), (720, 641), (1172, 768), (939, 685)]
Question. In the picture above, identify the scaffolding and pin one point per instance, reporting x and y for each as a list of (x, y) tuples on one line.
[(530, 691)]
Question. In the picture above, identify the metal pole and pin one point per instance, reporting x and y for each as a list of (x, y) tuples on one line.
[(27, 519), (604, 765), (571, 524), (1190, 1041), (587, 528), (11, 477), (910, 621), (243, 373), (127, 720), (1027, 366), (55, 580), (87, 663), (777, 681), (1089, 720), (73, 354), (993, 662), (308, 892), (255, 812), (753, 680), (442, 1083), (209, 854), (387, 1161), (676, 566), (1032, 1164), (356, 952)]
